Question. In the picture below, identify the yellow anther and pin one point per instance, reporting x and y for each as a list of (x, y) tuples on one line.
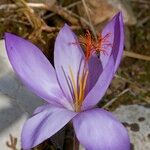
[(73, 84), (81, 88), (85, 81)]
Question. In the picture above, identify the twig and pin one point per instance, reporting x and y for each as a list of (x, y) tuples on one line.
[(79, 17), (54, 8), (114, 99), (64, 13), (56, 29), (137, 56), (35, 21), (73, 4), (13, 142), (33, 5), (14, 20), (65, 8), (83, 20), (89, 19)]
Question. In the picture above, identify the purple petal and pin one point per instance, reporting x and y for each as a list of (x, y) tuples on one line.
[(95, 69), (67, 55), (99, 89), (97, 129), (43, 125), (41, 108), (116, 39), (33, 68)]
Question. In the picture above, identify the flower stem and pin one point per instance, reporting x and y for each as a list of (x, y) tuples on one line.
[(75, 143)]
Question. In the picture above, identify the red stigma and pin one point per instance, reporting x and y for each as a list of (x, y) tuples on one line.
[(87, 42), (94, 46), (103, 43)]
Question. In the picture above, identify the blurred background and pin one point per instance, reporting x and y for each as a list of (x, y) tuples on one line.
[(39, 21)]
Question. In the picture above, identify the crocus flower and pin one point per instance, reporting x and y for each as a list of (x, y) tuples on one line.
[(73, 88)]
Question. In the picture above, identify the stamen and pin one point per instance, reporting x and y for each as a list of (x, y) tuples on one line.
[(80, 88), (85, 80), (74, 84), (83, 86)]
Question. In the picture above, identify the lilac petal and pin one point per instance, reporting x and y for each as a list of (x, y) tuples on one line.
[(67, 55), (97, 129), (95, 69), (116, 30), (33, 68), (99, 89), (44, 107), (43, 125), (41, 108)]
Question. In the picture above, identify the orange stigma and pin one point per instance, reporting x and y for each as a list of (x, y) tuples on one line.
[(87, 42), (103, 43), (92, 46)]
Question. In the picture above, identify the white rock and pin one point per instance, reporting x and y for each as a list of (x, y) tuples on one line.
[(16, 102), (137, 120)]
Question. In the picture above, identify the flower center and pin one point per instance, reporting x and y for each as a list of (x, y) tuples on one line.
[(78, 84), (78, 87)]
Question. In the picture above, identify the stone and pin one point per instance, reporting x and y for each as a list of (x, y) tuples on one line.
[(12, 119), (136, 118), (102, 10), (16, 102)]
